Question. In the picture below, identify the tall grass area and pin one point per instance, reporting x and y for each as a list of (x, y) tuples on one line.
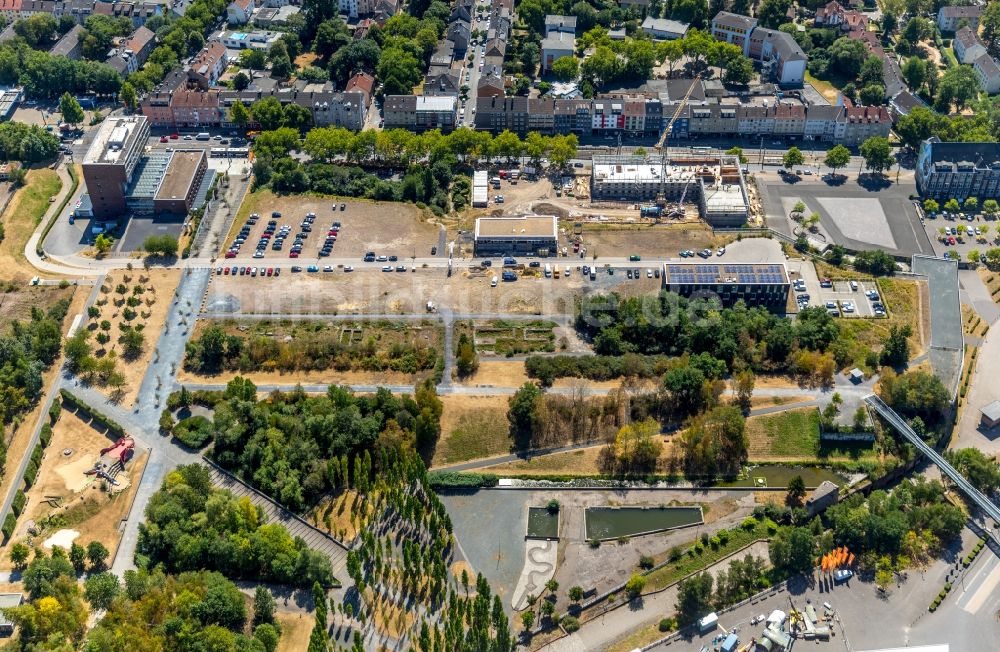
[(24, 213), (859, 336)]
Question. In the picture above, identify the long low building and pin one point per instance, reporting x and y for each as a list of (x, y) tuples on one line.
[(755, 284), (530, 234)]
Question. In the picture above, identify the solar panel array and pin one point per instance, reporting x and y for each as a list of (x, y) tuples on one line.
[(705, 273)]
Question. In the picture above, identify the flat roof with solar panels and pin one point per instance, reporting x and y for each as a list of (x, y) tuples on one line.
[(715, 273), (754, 283)]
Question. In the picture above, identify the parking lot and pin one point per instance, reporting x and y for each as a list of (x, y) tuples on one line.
[(385, 229), (984, 234), (841, 298)]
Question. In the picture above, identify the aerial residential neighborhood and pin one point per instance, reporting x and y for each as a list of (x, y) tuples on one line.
[(496, 325)]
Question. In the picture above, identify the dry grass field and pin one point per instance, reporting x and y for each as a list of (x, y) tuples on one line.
[(21, 218), (472, 427)]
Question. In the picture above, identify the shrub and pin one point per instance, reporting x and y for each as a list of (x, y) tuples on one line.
[(167, 422), (54, 411), (646, 562), (45, 436), (439, 479), (668, 624), (194, 431), (19, 501), (594, 543), (749, 523), (570, 624), (9, 524)]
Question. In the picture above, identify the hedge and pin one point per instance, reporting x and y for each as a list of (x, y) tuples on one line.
[(19, 502), (46, 435), (446, 479), (54, 411), (9, 524), (30, 474), (75, 402)]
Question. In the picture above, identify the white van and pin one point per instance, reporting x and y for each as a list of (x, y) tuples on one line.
[(493, 282), (203, 136), (548, 270)]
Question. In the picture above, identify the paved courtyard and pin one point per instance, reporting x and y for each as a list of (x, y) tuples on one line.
[(852, 214)]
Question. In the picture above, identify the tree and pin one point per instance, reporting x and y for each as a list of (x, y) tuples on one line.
[(991, 207), (971, 204), (772, 13), (694, 598), (97, 555), (635, 585), (736, 151), (792, 550), (914, 393), (743, 386), (103, 243), (575, 593), (263, 606), (71, 110), (132, 341), (915, 73), (989, 22), (524, 413), (739, 71), (799, 208), (129, 96), (958, 86), (796, 491), (792, 158), (872, 94), (847, 56), (162, 245), (932, 206), (896, 351), (101, 589), (566, 68), (837, 157), (877, 154), (239, 114), (636, 446), (19, 556), (876, 262), (978, 468)]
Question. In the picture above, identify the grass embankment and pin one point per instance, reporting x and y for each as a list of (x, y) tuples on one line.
[(22, 216), (906, 305), (697, 556), (472, 427)]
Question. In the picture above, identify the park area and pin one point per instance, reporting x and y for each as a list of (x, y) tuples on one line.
[(126, 322), (508, 338), (794, 436), (64, 505)]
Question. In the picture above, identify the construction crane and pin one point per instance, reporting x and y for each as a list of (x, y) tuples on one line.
[(677, 113), (665, 150)]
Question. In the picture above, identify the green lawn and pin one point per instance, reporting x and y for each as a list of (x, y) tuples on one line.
[(792, 433), (476, 434)]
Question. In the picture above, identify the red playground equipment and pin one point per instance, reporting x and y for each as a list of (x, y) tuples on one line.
[(112, 460)]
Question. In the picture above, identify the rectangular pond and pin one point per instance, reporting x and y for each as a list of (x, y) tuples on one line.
[(614, 522), (542, 524)]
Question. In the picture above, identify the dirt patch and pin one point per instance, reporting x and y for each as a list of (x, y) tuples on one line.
[(371, 291), (458, 567), (498, 374), (17, 303), (384, 227), (152, 302), (648, 240)]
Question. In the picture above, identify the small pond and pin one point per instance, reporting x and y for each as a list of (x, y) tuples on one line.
[(614, 522), (776, 475), (543, 524)]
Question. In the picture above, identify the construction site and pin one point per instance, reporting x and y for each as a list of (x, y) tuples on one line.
[(675, 187)]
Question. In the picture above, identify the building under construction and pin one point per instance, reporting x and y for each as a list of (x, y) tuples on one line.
[(714, 183)]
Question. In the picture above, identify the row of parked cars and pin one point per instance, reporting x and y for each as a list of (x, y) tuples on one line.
[(245, 270)]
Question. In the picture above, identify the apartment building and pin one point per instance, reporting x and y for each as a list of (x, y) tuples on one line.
[(781, 58), (988, 73), (132, 54), (958, 170), (950, 16), (847, 125), (206, 66), (967, 45), (734, 28), (419, 113)]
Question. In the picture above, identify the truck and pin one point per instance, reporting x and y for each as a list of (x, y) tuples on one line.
[(708, 623), (509, 276)]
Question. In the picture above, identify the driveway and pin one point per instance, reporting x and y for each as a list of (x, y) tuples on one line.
[(982, 390)]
